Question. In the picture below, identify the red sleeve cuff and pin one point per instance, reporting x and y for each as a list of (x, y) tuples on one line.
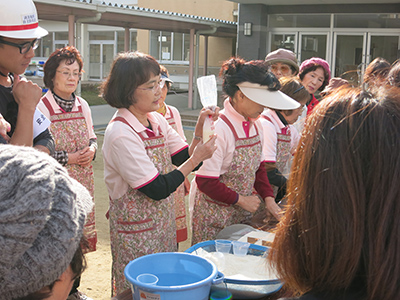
[(262, 185), (216, 190)]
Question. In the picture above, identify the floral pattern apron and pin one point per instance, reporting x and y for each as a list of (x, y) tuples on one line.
[(210, 216), (179, 197), (140, 225), (283, 152), (70, 133)]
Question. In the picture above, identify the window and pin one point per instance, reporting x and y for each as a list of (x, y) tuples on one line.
[(169, 46), (133, 35), (305, 20), (285, 41), (367, 21), (120, 41), (46, 46), (101, 35)]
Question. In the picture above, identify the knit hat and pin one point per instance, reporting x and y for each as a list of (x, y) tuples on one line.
[(283, 56), (42, 214), (316, 61)]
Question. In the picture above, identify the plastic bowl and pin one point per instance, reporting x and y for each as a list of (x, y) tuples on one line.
[(244, 289)]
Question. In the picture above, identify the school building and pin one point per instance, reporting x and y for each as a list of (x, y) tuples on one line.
[(349, 34), (192, 37)]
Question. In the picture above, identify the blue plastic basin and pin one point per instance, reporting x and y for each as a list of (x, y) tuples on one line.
[(180, 276)]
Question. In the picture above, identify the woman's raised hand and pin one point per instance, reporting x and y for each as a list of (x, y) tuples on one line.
[(204, 151), (208, 111)]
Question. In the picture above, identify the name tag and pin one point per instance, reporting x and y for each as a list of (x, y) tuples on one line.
[(40, 123)]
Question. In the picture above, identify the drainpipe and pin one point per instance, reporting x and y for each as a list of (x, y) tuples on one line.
[(79, 39), (196, 65)]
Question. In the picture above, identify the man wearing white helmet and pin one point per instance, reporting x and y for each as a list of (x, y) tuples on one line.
[(19, 37)]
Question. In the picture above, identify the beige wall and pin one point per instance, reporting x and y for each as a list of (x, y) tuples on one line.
[(219, 49), (143, 40), (219, 9)]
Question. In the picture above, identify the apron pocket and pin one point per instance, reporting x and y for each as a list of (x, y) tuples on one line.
[(134, 227)]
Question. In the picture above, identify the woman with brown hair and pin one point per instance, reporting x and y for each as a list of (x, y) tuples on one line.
[(339, 238), (145, 161), (393, 77), (281, 137), (376, 72)]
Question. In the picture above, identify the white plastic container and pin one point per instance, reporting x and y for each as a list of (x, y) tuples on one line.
[(208, 129)]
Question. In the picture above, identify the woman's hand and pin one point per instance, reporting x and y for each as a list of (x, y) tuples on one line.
[(209, 111), (201, 152), (186, 184), (273, 207), (4, 128), (198, 131), (86, 156), (82, 157), (204, 151), (204, 113), (73, 158), (249, 203)]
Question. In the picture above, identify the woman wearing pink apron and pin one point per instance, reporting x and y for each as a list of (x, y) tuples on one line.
[(281, 137), (72, 129), (71, 123), (145, 161), (171, 114), (225, 183)]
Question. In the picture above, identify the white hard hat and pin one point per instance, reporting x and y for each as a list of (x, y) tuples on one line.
[(19, 20)]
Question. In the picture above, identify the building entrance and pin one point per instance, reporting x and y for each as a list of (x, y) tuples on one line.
[(347, 52), (101, 55)]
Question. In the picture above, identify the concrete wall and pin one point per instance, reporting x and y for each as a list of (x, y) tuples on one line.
[(253, 46)]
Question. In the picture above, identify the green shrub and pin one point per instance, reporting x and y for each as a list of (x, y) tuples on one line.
[(90, 92)]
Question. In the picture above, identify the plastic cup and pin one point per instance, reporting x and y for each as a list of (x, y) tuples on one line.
[(223, 246), (147, 278), (240, 248)]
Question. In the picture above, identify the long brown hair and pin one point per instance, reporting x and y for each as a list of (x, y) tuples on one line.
[(341, 228)]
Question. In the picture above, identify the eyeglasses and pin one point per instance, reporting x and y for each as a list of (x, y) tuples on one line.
[(284, 69), (67, 74), (160, 85), (24, 47)]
